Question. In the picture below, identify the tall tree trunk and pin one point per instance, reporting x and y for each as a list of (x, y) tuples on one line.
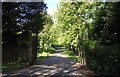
[(35, 49), (36, 46), (81, 52)]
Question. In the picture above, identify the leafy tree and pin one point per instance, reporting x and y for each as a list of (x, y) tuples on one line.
[(75, 24), (45, 35), (89, 29), (23, 16)]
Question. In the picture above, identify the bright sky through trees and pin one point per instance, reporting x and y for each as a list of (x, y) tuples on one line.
[(52, 6)]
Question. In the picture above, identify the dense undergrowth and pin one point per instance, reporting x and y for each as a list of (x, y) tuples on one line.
[(104, 60)]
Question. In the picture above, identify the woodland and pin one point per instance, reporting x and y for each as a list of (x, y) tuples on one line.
[(90, 30)]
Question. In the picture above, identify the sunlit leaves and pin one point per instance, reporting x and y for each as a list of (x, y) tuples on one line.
[(74, 16)]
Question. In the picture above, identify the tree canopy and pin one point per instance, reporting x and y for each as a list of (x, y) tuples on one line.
[(23, 16)]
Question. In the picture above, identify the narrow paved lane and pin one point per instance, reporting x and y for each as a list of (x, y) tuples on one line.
[(56, 64)]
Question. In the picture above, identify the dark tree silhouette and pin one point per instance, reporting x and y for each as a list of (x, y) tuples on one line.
[(22, 16)]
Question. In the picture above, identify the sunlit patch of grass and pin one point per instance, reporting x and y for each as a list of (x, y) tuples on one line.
[(42, 58), (42, 55), (63, 49), (73, 58), (70, 54)]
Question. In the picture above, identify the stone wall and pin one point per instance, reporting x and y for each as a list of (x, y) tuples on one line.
[(25, 47), (18, 48)]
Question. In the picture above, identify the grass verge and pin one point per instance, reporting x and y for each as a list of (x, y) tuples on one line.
[(13, 66), (70, 54), (42, 56)]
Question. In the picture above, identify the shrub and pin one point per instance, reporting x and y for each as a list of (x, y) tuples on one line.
[(105, 59)]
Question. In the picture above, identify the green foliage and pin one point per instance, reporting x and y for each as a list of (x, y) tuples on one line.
[(22, 16), (70, 54), (42, 58), (75, 58), (44, 53), (49, 50), (104, 29), (105, 59), (90, 45), (89, 28), (46, 35)]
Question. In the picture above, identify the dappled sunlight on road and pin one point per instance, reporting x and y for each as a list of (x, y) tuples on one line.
[(56, 64), (59, 54)]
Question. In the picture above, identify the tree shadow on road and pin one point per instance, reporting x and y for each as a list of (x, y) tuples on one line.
[(51, 66)]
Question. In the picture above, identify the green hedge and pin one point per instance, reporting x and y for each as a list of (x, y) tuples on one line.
[(104, 60)]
